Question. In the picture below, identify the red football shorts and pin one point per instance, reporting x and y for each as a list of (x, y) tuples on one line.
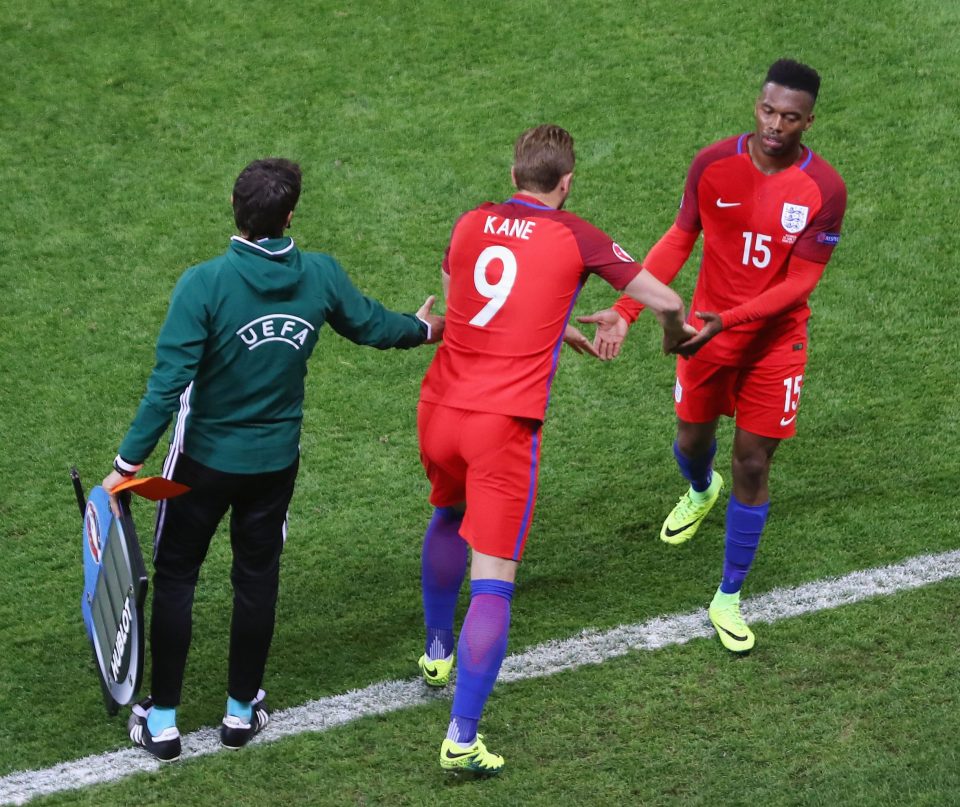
[(763, 399), (491, 462)]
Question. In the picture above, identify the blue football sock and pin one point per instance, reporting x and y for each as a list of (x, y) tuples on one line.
[(462, 727), (241, 709), (439, 643), (698, 471), (744, 526), (480, 652), (443, 565), (160, 718)]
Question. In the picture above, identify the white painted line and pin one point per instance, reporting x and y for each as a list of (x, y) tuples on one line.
[(588, 647)]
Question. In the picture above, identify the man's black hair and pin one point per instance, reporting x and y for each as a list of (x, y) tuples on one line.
[(264, 195), (796, 76)]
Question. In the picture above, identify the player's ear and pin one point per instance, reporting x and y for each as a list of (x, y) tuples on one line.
[(513, 178), (809, 121), (565, 182), (289, 219)]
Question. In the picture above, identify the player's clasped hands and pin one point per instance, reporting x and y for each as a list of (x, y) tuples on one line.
[(677, 341), (712, 325)]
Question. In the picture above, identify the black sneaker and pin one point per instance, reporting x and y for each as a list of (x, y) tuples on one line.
[(165, 746), (236, 733)]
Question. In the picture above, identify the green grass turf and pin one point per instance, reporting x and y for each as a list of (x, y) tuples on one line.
[(123, 128), (864, 725)]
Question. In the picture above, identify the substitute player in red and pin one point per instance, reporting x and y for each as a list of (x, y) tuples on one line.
[(770, 211), (511, 275)]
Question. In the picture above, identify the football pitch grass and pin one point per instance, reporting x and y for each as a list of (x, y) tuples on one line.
[(589, 647), (124, 126)]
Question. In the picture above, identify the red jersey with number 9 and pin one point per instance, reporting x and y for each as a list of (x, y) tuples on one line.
[(515, 270), (752, 223)]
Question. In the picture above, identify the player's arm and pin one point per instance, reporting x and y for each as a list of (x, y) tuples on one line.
[(801, 278), (666, 305), (670, 253), (664, 302), (664, 260), (662, 263)]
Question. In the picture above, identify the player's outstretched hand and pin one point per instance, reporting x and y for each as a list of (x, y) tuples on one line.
[(434, 322), (579, 342), (712, 325), (109, 483), (611, 331)]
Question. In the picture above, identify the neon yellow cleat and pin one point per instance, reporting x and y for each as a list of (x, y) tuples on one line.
[(475, 758), (436, 672), (724, 613), (682, 523)]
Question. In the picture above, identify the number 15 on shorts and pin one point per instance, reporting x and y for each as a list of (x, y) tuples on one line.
[(791, 399)]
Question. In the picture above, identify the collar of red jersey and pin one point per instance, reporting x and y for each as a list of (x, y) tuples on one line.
[(529, 201), (806, 153)]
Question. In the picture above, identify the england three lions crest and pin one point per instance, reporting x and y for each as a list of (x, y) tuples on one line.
[(794, 217)]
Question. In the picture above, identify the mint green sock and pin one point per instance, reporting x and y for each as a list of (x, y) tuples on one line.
[(160, 718), (241, 709)]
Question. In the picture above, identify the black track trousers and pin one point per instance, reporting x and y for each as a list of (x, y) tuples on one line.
[(185, 525)]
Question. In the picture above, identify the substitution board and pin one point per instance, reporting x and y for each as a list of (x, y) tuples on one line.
[(114, 591)]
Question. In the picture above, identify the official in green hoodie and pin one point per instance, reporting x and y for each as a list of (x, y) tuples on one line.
[(231, 362)]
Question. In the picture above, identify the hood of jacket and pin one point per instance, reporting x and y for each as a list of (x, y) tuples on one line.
[(272, 266)]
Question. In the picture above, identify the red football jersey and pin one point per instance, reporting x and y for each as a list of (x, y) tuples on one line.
[(752, 223), (515, 271)]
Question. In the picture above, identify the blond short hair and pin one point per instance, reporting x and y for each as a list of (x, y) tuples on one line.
[(541, 156)]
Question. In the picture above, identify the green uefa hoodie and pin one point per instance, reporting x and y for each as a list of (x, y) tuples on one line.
[(232, 353)]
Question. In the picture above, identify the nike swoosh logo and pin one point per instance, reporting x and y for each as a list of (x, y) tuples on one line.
[(732, 634), (787, 421), (448, 755), (670, 533), (721, 203), (431, 673)]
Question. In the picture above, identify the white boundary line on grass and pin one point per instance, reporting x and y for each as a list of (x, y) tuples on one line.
[(588, 647)]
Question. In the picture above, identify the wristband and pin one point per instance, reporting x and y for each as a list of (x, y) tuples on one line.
[(124, 468), (427, 324)]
